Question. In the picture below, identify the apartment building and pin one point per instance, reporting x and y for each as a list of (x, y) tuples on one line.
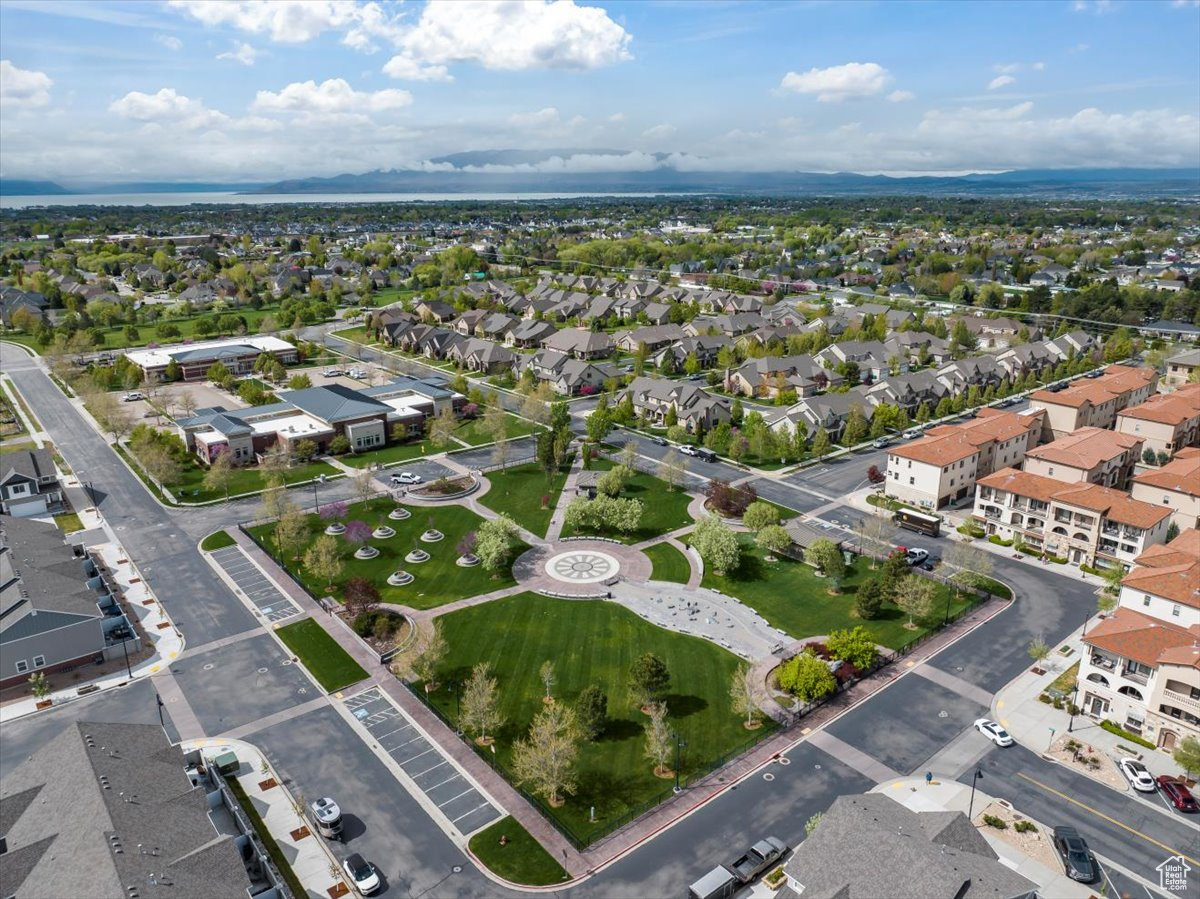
[(1182, 368), (1142, 667), (1093, 402), (1176, 485), (1167, 422), (1088, 456), (943, 466), (1084, 523)]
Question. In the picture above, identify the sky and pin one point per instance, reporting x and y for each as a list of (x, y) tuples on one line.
[(250, 91)]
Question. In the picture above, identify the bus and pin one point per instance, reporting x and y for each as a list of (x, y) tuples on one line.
[(912, 520)]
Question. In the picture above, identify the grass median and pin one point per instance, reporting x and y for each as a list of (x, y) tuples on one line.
[(521, 859), (325, 660)]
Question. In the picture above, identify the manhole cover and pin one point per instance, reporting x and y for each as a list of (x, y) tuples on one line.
[(209, 666)]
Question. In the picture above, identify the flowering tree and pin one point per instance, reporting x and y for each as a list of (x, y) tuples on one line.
[(335, 511), (357, 532), (466, 546)]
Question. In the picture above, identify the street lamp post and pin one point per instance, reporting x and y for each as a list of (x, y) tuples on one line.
[(1071, 708), (125, 650), (679, 745), (458, 707), (978, 775), (319, 479)]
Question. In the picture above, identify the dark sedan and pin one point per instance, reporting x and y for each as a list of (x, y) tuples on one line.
[(1077, 859)]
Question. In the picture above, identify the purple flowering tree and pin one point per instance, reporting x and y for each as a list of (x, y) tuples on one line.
[(466, 546), (334, 511), (357, 532)]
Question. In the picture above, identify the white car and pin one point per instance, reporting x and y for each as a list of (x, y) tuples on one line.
[(916, 555), (1138, 776), (406, 477), (362, 874), (131, 397), (688, 450), (913, 433), (332, 372), (993, 732)]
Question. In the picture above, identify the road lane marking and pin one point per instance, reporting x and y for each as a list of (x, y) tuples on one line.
[(1100, 814)]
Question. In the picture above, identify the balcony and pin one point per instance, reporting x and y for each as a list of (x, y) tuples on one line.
[(1110, 530), (1062, 517), (1085, 521), (1136, 676), (1182, 700), (1104, 662)]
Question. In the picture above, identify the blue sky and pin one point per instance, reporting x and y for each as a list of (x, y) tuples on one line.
[(205, 89)]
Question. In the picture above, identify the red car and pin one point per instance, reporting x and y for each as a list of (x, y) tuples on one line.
[(1179, 795)]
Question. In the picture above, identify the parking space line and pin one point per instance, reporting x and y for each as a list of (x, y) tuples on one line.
[(442, 783), (427, 770), (452, 798), (390, 732), (414, 758), (471, 812), (402, 745)]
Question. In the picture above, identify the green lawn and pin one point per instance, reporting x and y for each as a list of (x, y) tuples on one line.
[(669, 563), (664, 509), (521, 860), (216, 540), (790, 596), (190, 487), (68, 522), (357, 334), (519, 491), (438, 581), (470, 431), (595, 642), (322, 656), (17, 447)]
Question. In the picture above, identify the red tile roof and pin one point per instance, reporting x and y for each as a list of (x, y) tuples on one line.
[(1181, 474), (1144, 639), (1086, 448)]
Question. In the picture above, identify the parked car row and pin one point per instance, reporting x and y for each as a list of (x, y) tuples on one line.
[(328, 817)]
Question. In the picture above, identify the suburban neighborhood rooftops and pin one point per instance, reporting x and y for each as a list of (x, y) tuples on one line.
[(334, 402), (1115, 505), (938, 449), (1168, 408), (38, 571), (35, 464), (1116, 380)]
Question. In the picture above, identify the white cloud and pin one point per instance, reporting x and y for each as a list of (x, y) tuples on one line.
[(539, 119), (1099, 7), (405, 68), (519, 34), (241, 52), (332, 96), (901, 96), (298, 21), (1000, 81), (1038, 66), (578, 162), (167, 106), (617, 117), (659, 132), (23, 87), (169, 41), (837, 83)]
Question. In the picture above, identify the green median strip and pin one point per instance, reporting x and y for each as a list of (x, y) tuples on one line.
[(520, 858), (325, 660)]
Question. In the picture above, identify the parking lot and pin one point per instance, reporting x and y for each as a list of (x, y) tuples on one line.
[(446, 791), (266, 598)]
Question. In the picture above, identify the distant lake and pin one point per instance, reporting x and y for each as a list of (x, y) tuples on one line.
[(215, 197)]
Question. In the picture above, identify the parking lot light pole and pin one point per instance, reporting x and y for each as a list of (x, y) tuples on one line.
[(319, 479), (978, 775)]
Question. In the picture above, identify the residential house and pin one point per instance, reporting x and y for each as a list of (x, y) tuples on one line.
[(1175, 485), (1142, 667), (653, 337), (1094, 402), (566, 375), (14, 298), (769, 376), (1073, 344), (990, 333), (238, 354), (909, 346), (1182, 368), (1087, 456), (695, 408), (731, 325), (529, 333), (1163, 329), (580, 343), (496, 326), (466, 323), (28, 483), (484, 356), (1084, 523), (974, 371), (116, 810), (909, 391), (435, 311), (912, 855), (830, 411), (1027, 359), (870, 356), (705, 348), (1167, 422), (56, 612)]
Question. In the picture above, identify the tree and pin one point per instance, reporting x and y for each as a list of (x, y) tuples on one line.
[(914, 595), (591, 710), (364, 485), (812, 824), (160, 464), (629, 454), (876, 533), (1172, 531), (820, 443), (494, 542), (824, 555), (275, 461), (480, 711), (429, 658), (1105, 603), (1148, 456), (658, 738), (599, 423), (759, 515), (39, 686), (1187, 755), (613, 481), (548, 679), (323, 561), (186, 402), (868, 600), (219, 476), (441, 428), (500, 451), (854, 645), (741, 697), (671, 469), (545, 760), (495, 422), (359, 595), (717, 545), (648, 679), (973, 565), (357, 533), (1038, 650), (773, 539), (291, 533), (334, 511), (306, 449), (806, 677)]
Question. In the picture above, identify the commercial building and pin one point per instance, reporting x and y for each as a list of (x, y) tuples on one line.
[(56, 610), (1176, 485), (367, 418), (1093, 402), (1087, 456), (238, 354), (943, 466), (1084, 523), (1167, 422), (1142, 667), (114, 811)]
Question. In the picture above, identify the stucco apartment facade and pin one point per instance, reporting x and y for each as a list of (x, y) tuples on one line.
[(1176, 485), (1094, 402), (1166, 422), (1088, 456)]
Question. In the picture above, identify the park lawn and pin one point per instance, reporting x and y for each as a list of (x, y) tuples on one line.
[(522, 860), (518, 491), (592, 641), (790, 596), (663, 508), (325, 660), (216, 540), (437, 581), (357, 334), (669, 563), (190, 487), (469, 431)]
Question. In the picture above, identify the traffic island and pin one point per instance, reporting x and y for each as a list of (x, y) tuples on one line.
[(510, 852)]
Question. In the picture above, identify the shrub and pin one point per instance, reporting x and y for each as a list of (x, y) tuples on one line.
[(731, 502), (1058, 703), (971, 529), (993, 821), (1044, 698), (999, 541), (1025, 827), (1122, 732), (339, 445)]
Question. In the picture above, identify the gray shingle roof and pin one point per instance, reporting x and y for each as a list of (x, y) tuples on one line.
[(334, 402), (35, 464)]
